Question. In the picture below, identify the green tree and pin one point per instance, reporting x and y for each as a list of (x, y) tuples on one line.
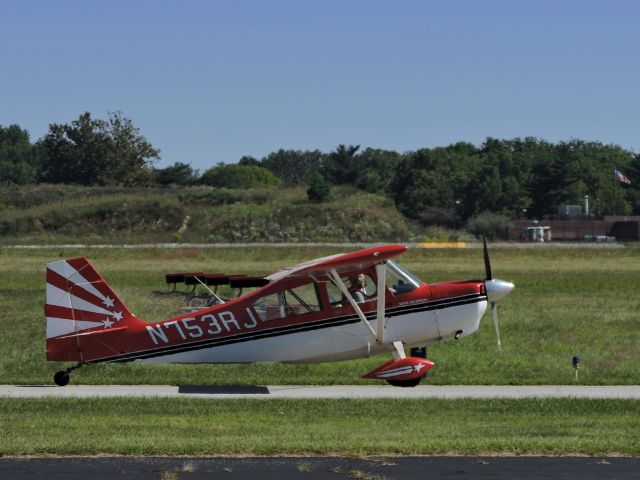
[(434, 183), (375, 169), (132, 156), (238, 176), (632, 191), (293, 167), (340, 166), (19, 159), (249, 160), (578, 168), (500, 183), (97, 152), (319, 189), (598, 162)]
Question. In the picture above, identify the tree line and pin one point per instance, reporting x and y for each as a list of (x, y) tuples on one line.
[(521, 177)]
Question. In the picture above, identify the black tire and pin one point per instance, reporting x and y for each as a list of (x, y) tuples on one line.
[(406, 383), (61, 378), (419, 352)]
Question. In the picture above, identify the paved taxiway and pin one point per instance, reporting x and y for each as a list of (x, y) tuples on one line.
[(333, 391), (279, 468)]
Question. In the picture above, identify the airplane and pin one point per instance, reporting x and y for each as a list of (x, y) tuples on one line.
[(305, 313)]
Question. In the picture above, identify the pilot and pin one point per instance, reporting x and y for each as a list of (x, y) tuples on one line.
[(357, 288)]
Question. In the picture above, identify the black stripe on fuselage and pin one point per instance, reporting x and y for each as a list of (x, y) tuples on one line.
[(291, 329)]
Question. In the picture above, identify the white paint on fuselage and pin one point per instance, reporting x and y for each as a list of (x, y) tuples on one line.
[(344, 342)]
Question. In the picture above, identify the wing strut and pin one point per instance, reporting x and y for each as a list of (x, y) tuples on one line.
[(381, 271), (340, 284)]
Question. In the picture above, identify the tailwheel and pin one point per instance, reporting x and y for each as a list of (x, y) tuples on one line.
[(61, 378), (405, 383)]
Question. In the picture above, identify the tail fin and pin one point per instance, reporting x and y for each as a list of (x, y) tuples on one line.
[(79, 303)]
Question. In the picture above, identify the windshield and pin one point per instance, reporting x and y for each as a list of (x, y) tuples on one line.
[(400, 280)]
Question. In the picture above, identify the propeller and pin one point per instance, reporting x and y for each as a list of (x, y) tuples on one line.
[(496, 325), (496, 289), (487, 262)]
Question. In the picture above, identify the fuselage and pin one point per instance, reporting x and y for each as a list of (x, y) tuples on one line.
[(234, 333)]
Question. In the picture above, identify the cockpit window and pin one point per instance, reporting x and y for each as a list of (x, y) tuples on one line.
[(367, 289), (286, 303), (400, 280)]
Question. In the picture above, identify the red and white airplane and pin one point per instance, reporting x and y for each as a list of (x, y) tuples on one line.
[(334, 308)]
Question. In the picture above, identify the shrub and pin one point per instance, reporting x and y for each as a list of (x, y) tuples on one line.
[(493, 225), (115, 213), (436, 233), (438, 216), (177, 174), (238, 176)]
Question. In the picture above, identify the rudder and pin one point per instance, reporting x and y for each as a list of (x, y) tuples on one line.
[(80, 303)]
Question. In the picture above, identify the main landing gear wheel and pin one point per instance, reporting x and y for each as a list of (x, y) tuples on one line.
[(61, 378), (406, 383), (419, 352)]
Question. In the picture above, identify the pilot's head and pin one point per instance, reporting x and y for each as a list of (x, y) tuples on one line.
[(358, 281)]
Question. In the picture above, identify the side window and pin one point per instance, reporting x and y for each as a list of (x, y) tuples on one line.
[(269, 307), (287, 303), (335, 295), (301, 300)]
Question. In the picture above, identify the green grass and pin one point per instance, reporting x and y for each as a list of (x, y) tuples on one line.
[(567, 302), (346, 427)]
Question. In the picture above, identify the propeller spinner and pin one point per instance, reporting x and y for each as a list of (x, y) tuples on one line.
[(496, 289)]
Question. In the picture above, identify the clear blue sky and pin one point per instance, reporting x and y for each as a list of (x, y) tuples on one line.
[(211, 81)]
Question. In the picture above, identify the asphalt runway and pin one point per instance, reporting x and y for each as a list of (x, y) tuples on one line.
[(278, 468), (331, 391)]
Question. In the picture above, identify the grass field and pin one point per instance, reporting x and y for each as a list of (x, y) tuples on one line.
[(567, 302), (346, 427)]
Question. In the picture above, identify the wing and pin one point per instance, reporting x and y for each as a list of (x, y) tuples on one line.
[(341, 262)]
